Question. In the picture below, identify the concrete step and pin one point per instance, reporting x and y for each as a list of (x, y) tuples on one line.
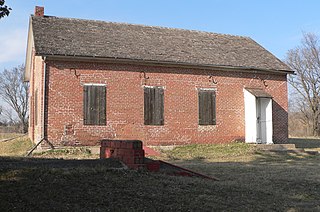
[(312, 152), (276, 147)]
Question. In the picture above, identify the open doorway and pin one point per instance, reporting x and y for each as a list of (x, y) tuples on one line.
[(258, 116)]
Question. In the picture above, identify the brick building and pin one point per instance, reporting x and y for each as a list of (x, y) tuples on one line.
[(92, 79)]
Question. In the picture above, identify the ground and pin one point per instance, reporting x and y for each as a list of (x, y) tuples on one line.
[(249, 181)]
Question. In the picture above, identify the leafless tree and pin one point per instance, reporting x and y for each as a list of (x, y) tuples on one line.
[(305, 61), (14, 91), (8, 115)]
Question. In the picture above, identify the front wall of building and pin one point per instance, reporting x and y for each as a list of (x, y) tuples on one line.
[(125, 103)]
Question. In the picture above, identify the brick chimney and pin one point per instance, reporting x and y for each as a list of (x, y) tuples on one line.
[(39, 11)]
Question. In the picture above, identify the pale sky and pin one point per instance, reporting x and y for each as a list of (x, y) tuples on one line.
[(275, 24)]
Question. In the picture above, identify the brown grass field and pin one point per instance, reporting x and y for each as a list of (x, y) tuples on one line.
[(249, 180)]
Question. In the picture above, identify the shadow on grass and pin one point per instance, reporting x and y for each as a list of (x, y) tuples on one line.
[(26, 162), (275, 181), (284, 156), (286, 180)]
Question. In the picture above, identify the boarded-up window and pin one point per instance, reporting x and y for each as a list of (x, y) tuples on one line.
[(153, 106), (207, 107), (94, 105), (35, 107)]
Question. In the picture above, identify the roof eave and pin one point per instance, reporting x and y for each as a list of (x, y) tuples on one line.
[(162, 63)]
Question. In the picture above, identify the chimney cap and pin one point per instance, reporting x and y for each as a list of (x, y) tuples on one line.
[(39, 11)]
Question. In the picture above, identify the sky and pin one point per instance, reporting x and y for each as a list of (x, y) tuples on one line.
[(275, 24)]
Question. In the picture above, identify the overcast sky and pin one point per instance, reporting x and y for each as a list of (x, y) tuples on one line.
[(275, 24)]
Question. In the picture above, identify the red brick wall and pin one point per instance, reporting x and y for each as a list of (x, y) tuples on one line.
[(125, 96)]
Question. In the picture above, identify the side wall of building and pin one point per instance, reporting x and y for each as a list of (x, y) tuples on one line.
[(125, 103), (36, 99)]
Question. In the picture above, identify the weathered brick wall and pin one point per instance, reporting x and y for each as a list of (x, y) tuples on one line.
[(125, 96), (36, 83)]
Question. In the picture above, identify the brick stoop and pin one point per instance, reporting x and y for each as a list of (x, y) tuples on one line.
[(130, 152), (150, 151), (132, 155)]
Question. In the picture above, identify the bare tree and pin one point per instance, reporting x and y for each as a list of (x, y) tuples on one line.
[(305, 61), (14, 91), (8, 115)]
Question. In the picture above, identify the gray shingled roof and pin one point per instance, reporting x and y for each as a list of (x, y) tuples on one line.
[(75, 37)]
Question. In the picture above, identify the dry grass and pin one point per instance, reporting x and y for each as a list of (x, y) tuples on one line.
[(218, 152), (16, 147), (249, 181), (4, 136), (68, 153), (271, 180)]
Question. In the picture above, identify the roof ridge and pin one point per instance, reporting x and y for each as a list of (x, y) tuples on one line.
[(148, 26)]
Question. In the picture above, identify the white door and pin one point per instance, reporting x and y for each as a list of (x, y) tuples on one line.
[(250, 110), (258, 119), (264, 120)]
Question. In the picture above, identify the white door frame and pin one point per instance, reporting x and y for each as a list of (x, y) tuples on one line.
[(258, 117)]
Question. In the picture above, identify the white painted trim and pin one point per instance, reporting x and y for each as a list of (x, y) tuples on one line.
[(250, 117), (30, 47), (94, 84), (154, 86), (207, 89), (269, 128), (43, 99)]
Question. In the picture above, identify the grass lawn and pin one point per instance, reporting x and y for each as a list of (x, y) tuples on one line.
[(258, 180), (16, 147), (68, 153), (249, 181), (4, 136)]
